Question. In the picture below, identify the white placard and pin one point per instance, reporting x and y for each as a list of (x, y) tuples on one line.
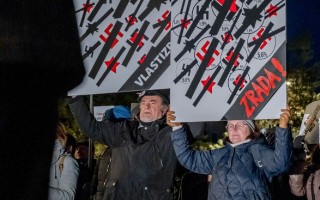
[(125, 45), (99, 111), (221, 59), (229, 59)]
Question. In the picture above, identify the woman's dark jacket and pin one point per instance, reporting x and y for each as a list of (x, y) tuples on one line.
[(235, 173), (143, 160)]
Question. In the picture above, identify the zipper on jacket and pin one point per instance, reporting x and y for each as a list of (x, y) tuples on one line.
[(230, 160), (158, 150)]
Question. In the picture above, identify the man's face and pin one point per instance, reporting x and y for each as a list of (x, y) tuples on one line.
[(81, 152), (151, 108), (238, 131)]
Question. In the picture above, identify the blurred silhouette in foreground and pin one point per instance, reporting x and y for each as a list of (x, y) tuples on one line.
[(40, 61)]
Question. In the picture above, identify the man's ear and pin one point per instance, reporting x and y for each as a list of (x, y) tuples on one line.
[(164, 110)]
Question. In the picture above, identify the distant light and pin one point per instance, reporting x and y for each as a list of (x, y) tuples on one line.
[(288, 83)]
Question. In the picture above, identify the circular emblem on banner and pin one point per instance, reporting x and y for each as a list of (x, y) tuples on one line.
[(182, 66), (178, 20), (267, 46)]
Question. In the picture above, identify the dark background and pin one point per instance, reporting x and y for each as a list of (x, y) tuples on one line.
[(303, 23)]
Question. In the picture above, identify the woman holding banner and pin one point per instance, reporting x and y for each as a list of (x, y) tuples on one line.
[(243, 168)]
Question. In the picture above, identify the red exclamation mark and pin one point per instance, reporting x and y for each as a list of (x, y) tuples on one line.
[(278, 66)]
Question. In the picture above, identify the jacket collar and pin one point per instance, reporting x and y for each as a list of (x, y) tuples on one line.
[(239, 143), (146, 131), (155, 123), (249, 142)]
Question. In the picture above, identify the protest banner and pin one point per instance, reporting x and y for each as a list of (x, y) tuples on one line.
[(125, 45), (229, 58), (221, 59)]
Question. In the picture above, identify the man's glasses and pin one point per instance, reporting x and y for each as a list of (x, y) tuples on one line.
[(238, 126)]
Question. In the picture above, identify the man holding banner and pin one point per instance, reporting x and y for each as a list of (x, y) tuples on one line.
[(143, 160)]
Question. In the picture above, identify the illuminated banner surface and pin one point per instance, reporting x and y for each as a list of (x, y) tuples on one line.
[(221, 59)]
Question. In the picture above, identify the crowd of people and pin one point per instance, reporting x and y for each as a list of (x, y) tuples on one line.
[(41, 61), (145, 153)]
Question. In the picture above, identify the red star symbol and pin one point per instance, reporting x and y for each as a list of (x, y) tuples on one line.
[(87, 7), (114, 68), (204, 83), (272, 10)]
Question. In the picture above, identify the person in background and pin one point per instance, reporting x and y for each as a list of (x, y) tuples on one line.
[(102, 168), (243, 167), (143, 160), (81, 154), (306, 181), (101, 174), (70, 144), (280, 184), (64, 169)]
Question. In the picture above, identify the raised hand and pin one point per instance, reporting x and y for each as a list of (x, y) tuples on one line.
[(171, 117), (284, 118)]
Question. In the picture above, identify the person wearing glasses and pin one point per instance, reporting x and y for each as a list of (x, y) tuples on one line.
[(243, 168)]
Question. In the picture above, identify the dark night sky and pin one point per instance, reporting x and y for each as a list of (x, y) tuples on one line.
[(302, 18)]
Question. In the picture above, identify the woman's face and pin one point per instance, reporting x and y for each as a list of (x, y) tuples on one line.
[(238, 131)]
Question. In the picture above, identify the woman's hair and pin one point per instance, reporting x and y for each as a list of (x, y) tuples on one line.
[(252, 135), (315, 158), (61, 129), (70, 144)]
